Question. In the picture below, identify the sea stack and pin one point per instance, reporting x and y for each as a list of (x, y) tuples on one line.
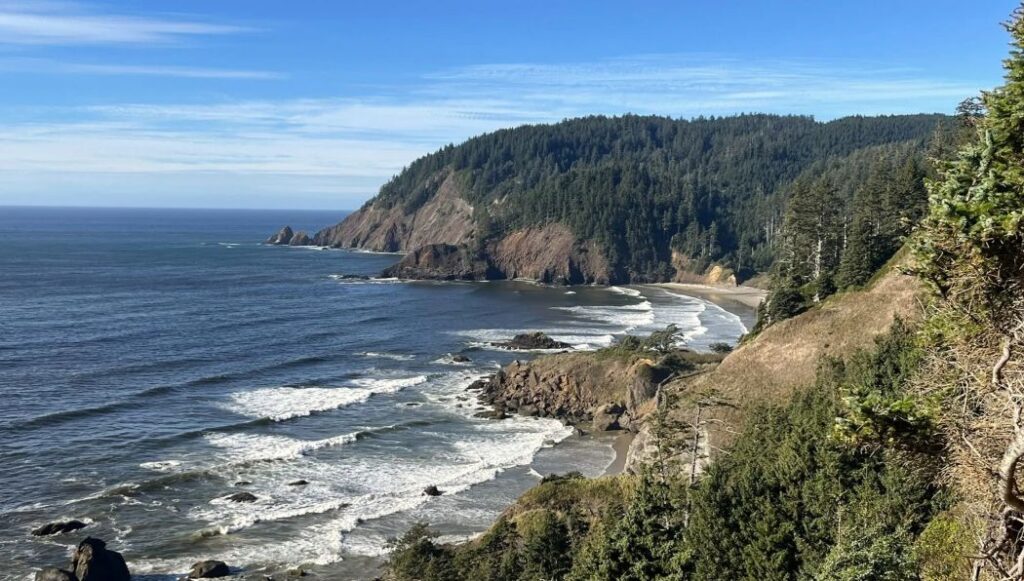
[(283, 237)]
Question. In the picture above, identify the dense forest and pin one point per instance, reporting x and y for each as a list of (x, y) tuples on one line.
[(713, 189), (899, 463)]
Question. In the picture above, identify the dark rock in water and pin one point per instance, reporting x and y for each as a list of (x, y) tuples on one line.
[(283, 236), (298, 483), (478, 384), (432, 491), (536, 340), (300, 239), (351, 277), (54, 574), (460, 359), (243, 483), (498, 414), (55, 528), (209, 570), (93, 561), (243, 497)]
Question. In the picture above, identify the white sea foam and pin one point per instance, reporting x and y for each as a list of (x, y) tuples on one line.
[(624, 317), (283, 403), (391, 356), (632, 292), (161, 465), (242, 448)]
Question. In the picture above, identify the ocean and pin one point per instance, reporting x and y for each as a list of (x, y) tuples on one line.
[(153, 362)]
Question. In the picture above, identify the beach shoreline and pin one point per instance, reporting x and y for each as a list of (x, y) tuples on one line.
[(747, 296)]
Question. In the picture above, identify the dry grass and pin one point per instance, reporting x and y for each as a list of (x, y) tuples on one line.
[(786, 355)]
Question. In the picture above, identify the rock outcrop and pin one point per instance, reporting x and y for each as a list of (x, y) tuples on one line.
[(550, 255), (54, 574), (714, 275), (55, 528), (209, 569), (442, 262), (579, 388), (283, 236), (242, 497), (531, 341), (93, 561), (300, 239), (446, 218)]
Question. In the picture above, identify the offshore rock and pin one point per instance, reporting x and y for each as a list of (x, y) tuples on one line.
[(93, 561), (55, 528), (209, 569), (283, 236), (300, 239), (528, 341)]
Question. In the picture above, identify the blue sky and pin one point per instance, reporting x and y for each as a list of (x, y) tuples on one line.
[(314, 104)]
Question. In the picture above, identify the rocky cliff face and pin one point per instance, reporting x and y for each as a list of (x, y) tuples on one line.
[(446, 218), (599, 393), (551, 255), (714, 275)]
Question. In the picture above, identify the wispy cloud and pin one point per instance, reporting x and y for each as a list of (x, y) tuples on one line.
[(47, 66), (338, 151), (66, 23)]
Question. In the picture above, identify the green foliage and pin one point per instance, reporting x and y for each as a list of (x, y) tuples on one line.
[(881, 556), (712, 189), (790, 500), (944, 549), (876, 409), (661, 342), (720, 348), (641, 544), (971, 245), (414, 555)]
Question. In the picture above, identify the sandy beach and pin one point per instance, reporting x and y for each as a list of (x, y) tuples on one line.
[(746, 295), (621, 447)]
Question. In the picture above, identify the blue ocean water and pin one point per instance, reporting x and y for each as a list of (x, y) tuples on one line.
[(153, 362)]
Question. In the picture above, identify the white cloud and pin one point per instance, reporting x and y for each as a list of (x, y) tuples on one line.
[(349, 146), (65, 23), (38, 65)]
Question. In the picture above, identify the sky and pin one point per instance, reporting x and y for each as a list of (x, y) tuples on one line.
[(313, 104)]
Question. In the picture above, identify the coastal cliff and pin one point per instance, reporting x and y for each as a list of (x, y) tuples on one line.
[(446, 218), (550, 255)]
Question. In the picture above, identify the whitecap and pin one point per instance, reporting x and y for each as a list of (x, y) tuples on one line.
[(631, 292), (391, 356), (283, 403), (161, 465)]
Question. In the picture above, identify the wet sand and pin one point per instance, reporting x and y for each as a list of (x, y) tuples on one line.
[(621, 447)]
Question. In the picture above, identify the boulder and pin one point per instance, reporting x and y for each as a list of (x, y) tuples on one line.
[(54, 574), (243, 497), (527, 341), (59, 527), (93, 561), (298, 483), (300, 239), (606, 417), (432, 491), (283, 236), (460, 359), (209, 569), (496, 414)]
